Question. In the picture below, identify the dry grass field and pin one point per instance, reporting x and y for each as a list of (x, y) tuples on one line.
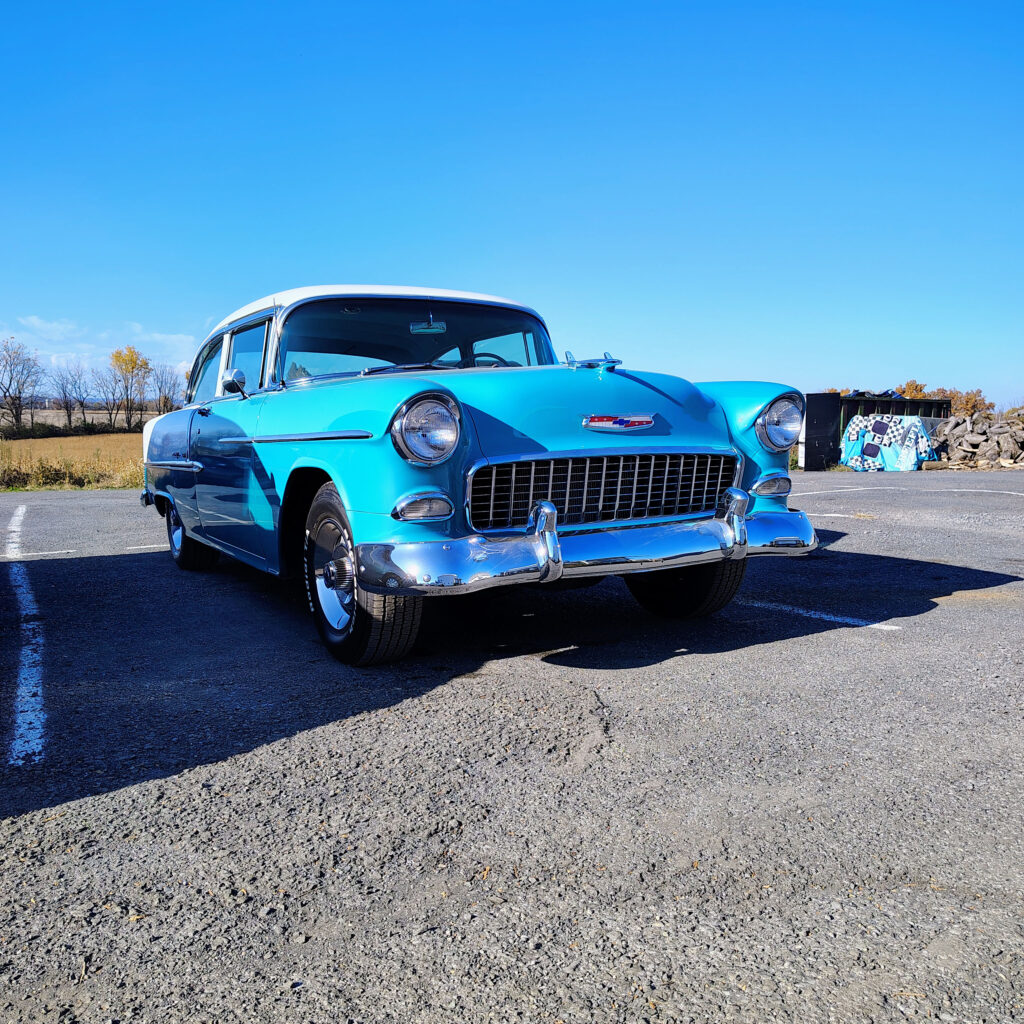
[(97, 417), (97, 460)]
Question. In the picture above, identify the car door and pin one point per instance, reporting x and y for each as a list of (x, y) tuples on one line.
[(228, 497)]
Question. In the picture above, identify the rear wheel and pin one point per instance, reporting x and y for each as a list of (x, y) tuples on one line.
[(357, 627), (688, 593), (186, 552)]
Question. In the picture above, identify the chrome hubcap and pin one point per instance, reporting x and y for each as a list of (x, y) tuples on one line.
[(335, 575), (175, 531), (338, 575)]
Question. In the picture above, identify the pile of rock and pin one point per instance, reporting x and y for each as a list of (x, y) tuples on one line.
[(981, 441)]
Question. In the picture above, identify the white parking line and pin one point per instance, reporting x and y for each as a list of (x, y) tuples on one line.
[(143, 547), (36, 554), (29, 714), (844, 620), (927, 490), (836, 515)]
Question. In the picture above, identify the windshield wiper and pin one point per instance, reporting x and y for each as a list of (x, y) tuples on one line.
[(367, 370)]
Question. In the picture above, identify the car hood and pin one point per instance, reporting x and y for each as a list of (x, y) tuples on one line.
[(534, 410)]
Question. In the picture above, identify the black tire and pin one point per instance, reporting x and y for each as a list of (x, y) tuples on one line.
[(357, 627), (688, 593), (187, 553)]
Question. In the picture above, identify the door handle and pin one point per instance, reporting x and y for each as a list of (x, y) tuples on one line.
[(203, 410)]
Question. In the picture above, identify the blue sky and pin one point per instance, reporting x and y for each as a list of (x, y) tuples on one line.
[(821, 193)]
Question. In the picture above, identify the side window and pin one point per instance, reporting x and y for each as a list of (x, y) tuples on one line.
[(450, 358), (206, 376), (247, 354), (269, 362), (514, 349)]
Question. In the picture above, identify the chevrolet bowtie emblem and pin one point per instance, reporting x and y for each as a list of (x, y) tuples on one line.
[(637, 421)]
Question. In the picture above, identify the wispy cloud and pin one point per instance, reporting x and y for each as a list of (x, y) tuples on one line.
[(143, 336), (60, 340), (50, 330)]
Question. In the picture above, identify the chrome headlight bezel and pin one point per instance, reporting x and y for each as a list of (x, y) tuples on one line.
[(761, 427), (398, 423)]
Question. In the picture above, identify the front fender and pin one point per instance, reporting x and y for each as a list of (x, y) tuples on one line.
[(742, 402), (368, 472)]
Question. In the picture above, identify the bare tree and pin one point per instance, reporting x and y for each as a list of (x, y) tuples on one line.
[(107, 383), (166, 385), (80, 388), (20, 377), (63, 390)]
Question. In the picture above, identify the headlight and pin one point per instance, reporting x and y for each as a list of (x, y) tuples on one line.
[(778, 427), (426, 429)]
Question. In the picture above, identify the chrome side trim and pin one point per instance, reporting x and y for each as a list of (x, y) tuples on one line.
[(185, 464), (336, 435)]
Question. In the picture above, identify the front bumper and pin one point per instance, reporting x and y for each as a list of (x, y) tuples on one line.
[(541, 555)]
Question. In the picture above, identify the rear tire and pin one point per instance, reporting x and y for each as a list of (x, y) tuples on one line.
[(187, 553), (688, 593), (357, 627)]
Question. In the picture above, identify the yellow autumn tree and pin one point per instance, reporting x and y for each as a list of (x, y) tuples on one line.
[(913, 390), (964, 403), (134, 370)]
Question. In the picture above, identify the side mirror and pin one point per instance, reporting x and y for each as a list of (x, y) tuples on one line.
[(233, 383)]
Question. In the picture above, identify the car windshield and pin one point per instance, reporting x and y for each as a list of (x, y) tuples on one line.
[(336, 336)]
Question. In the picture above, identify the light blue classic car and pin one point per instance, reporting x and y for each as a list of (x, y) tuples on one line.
[(392, 444)]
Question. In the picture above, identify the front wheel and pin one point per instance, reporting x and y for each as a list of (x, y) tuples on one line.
[(688, 593), (357, 627)]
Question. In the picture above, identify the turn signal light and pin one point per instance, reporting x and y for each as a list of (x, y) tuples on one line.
[(424, 507), (773, 485)]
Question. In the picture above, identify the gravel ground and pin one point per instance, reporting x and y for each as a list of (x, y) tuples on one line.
[(559, 810)]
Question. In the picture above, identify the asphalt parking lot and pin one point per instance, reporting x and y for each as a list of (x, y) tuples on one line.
[(805, 809)]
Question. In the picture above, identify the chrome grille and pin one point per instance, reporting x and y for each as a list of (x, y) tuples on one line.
[(599, 488)]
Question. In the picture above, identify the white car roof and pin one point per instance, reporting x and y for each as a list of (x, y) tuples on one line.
[(292, 295)]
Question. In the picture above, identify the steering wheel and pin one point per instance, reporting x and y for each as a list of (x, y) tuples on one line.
[(500, 360)]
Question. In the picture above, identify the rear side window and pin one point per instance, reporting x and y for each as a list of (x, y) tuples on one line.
[(247, 354), (517, 349), (207, 375)]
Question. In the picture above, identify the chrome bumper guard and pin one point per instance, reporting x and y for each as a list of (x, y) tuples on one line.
[(477, 562)]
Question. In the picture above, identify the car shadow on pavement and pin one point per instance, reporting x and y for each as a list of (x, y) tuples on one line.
[(148, 671)]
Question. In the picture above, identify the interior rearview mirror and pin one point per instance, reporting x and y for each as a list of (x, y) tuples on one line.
[(428, 326)]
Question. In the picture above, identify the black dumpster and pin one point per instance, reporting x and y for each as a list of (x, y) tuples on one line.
[(828, 413)]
